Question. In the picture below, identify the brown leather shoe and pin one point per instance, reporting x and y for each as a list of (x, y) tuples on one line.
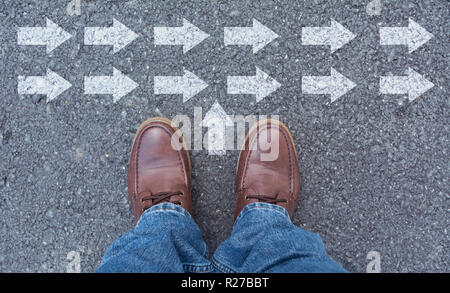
[(159, 172), (267, 169)]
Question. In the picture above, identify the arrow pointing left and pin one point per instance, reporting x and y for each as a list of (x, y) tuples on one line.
[(118, 36), (51, 85), (118, 85), (50, 36)]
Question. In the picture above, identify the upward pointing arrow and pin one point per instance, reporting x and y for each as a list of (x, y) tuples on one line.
[(217, 121), (187, 36), (413, 85), (187, 85), (118, 85), (260, 85), (51, 36), (51, 85), (257, 36), (335, 36), (335, 85), (117, 36), (413, 36)]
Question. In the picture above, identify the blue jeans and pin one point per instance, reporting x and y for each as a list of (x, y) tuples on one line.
[(264, 240)]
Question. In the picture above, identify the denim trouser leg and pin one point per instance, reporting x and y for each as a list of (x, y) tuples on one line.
[(166, 239), (264, 240)]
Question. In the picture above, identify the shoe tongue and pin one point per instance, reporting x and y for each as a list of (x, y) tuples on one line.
[(264, 181), (266, 190), (160, 179), (252, 191)]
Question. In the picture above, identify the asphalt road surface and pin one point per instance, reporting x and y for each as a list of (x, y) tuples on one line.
[(374, 167)]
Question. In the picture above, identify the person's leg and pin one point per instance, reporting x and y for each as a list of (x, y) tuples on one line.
[(268, 184), (166, 238), (264, 240)]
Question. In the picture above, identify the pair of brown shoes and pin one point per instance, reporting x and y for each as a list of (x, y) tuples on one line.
[(160, 168)]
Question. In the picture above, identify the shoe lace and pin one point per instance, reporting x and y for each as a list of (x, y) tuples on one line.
[(262, 197), (159, 197)]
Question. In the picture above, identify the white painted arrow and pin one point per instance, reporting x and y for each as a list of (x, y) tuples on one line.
[(118, 85), (51, 36), (257, 36), (51, 85), (260, 85), (413, 85), (187, 85), (335, 85), (335, 36), (118, 36), (217, 122), (413, 36), (187, 36)]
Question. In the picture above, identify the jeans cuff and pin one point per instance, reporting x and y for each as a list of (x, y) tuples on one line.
[(165, 207), (262, 206)]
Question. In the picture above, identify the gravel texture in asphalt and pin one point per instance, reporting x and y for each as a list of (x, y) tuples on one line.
[(374, 167)]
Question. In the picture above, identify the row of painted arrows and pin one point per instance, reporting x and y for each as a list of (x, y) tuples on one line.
[(119, 85), (188, 36), (119, 36)]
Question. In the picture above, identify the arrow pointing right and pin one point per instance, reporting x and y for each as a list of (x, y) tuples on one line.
[(413, 36), (118, 85), (187, 36), (51, 36), (261, 85), (335, 36), (257, 36), (413, 85), (117, 36), (187, 85), (51, 85), (335, 85)]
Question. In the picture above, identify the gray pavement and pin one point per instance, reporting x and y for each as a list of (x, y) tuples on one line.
[(374, 167)]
